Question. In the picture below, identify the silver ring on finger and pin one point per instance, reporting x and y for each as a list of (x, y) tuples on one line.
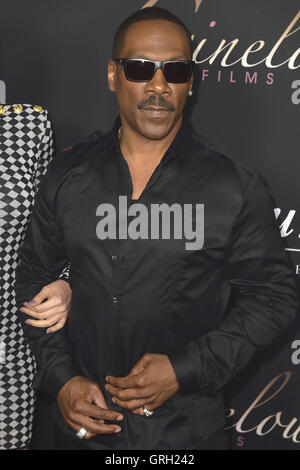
[(81, 433), (146, 412)]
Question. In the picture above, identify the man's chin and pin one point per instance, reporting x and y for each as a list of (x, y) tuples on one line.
[(156, 129)]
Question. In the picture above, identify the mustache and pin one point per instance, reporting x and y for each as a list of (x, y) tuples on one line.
[(157, 101)]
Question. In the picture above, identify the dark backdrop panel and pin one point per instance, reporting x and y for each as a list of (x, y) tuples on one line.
[(55, 53)]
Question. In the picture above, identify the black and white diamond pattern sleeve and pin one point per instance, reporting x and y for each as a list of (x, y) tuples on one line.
[(26, 147), (45, 152)]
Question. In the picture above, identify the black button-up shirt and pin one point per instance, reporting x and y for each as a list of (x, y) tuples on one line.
[(133, 296)]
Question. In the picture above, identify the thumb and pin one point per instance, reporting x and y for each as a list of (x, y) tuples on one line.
[(139, 366), (38, 298), (98, 397)]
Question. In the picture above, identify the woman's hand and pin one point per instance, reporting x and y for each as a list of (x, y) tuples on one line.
[(51, 313)]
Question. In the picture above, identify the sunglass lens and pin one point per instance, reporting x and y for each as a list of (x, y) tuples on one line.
[(177, 72), (139, 71)]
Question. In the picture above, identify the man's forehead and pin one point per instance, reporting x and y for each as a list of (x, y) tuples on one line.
[(157, 26), (154, 37), (150, 55), (142, 55), (156, 34)]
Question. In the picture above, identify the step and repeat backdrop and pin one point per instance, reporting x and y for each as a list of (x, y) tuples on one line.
[(54, 53)]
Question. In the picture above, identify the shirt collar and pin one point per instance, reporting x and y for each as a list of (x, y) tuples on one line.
[(177, 149)]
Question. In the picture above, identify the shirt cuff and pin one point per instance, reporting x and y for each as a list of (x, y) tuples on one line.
[(185, 371), (58, 376)]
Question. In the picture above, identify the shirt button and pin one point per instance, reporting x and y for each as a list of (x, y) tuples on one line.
[(115, 300), (114, 257)]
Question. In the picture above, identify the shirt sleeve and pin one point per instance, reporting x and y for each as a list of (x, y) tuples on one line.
[(46, 151), (42, 257), (265, 299)]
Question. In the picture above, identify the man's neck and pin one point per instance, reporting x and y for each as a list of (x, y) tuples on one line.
[(137, 149)]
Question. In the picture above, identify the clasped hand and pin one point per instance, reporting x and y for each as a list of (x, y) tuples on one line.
[(150, 383)]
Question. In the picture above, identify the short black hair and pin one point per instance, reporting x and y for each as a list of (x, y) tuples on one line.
[(149, 13)]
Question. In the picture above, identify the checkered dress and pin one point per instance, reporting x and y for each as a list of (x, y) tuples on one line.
[(26, 148)]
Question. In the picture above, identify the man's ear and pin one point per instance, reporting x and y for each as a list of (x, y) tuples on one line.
[(112, 75)]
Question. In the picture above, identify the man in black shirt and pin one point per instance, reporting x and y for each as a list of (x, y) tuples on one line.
[(151, 340)]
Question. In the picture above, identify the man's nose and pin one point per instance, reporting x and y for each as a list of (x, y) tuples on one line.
[(158, 83)]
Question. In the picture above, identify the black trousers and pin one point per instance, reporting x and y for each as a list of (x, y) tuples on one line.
[(217, 441), (48, 435)]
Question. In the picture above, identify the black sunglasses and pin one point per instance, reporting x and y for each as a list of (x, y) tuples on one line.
[(143, 70)]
